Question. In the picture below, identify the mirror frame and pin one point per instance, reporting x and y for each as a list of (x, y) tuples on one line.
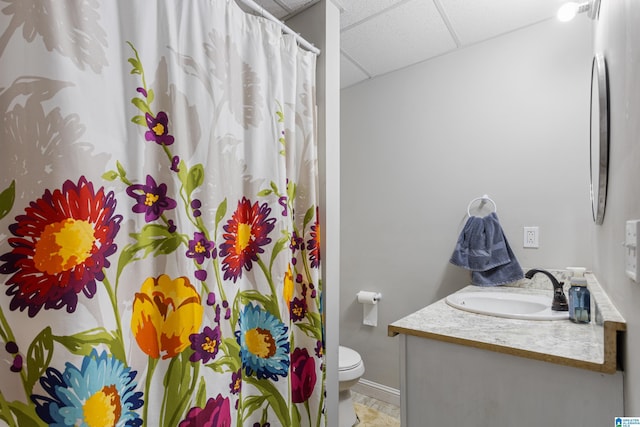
[(599, 137)]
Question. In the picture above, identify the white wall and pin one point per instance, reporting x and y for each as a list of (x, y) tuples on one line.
[(508, 117), (618, 37)]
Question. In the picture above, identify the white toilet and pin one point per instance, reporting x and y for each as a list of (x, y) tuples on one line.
[(350, 369)]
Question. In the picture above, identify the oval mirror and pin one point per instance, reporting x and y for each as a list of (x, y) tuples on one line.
[(599, 137)]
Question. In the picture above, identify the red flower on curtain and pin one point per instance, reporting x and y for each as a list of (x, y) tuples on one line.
[(61, 247), (313, 244), (216, 413), (303, 375), (246, 232)]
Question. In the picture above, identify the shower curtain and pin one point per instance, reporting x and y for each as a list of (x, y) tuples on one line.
[(159, 231)]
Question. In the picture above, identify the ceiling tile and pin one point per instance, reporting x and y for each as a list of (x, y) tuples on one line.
[(350, 74), (402, 36), (478, 20), (358, 10)]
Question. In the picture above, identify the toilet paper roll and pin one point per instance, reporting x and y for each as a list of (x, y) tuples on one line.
[(369, 301), (366, 297)]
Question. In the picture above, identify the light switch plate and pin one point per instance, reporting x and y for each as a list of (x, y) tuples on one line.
[(632, 254)]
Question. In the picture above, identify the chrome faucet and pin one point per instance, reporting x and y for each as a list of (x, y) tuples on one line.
[(559, 299)]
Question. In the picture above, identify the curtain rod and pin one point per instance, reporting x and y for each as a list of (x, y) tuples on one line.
[(257, 8)]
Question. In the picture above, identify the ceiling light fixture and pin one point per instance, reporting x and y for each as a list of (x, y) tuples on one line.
[(569, 10)]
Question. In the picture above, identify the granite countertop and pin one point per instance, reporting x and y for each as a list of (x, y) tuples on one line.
[(590, 346)]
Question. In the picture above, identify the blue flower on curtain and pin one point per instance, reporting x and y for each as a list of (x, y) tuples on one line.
[(60, 248), (264, 343), (100, 393)]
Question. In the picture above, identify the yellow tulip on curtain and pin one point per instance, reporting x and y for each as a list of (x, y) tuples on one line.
[(159, 230)]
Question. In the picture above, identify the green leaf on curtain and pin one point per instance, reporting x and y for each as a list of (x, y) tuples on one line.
[(291, 190), (25, 415), (135, 63), (263, 193), (38, 357), (139, 120), (221, 211), (280, 115), (121, 170), (153, 239), (201, 394), (268, 302), (178, 387), (83, 342), (195, 178), (281, 244), (110, 175), (314, 326), (7, 198), (150, 96), (309, 215), (141, 105), (295, 416), (252, 403), (231, 358), (274, 187), (275, 399)]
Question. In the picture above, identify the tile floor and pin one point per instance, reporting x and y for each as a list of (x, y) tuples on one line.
[(384, 407)]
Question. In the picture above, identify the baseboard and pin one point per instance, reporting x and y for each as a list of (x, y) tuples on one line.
[(378, 391)]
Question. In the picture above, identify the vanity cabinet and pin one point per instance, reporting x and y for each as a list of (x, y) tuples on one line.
[(446, 384), (466, 369)]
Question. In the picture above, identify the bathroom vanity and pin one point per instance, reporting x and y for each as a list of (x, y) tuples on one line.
[(462, 368)]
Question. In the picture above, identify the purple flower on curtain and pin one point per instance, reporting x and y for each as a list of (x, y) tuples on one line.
[(158, 129), (303, 375), (282, 201), (216, 413), (264, 343), (151, 199), (175, 162), (246, 232), (61, 247), (205, 345), (16, 366), (298, 309), (236, 382), (200, 247), (319, 349), (313, 244), (296, 242), (100, 392)]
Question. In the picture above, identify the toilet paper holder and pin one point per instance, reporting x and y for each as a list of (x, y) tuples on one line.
[(369, 301)]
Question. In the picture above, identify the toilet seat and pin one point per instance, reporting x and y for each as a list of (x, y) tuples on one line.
[(348, 359)]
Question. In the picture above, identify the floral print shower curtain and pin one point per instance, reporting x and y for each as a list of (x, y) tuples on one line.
[(159, 231)]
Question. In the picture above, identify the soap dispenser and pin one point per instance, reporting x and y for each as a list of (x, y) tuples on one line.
[(579, 296)]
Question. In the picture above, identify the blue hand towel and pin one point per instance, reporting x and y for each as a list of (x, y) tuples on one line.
[(483, 248)]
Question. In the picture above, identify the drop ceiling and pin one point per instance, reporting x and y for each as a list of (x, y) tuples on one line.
[(381, 36)]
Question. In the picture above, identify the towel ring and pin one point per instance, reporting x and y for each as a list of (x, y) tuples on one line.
[(484, 199)]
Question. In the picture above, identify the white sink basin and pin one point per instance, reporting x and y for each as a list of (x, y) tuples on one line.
[(507, 304)]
